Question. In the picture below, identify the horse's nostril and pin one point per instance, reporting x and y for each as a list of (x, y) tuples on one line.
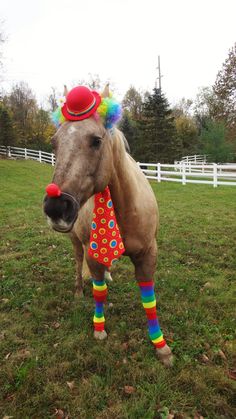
[(61, 208), (68, 209)]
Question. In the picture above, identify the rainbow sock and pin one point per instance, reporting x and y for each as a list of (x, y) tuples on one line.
[(149, 304), (100, 295)]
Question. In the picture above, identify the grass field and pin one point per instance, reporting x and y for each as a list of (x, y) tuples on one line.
[(50, 364)]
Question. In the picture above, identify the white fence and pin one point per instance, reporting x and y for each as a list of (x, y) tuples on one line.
[(211, 174), (183, 172), (26, 153), (196, 159)]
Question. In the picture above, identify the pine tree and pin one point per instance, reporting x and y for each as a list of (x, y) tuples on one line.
[(159, 141), (128, 127)]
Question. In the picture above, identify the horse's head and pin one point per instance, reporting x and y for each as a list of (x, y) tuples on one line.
[(84, 162)]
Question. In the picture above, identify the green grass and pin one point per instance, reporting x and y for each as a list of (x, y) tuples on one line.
[(46, 335)]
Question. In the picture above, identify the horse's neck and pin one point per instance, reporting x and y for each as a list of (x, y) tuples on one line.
[(121, 184)]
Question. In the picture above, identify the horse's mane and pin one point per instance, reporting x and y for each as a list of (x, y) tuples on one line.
[(120, 137)]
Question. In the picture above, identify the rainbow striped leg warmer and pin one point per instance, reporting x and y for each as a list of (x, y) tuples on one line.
[(100, 295), (149, 304)]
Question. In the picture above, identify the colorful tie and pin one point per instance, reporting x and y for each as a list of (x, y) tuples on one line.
[(106, 244)]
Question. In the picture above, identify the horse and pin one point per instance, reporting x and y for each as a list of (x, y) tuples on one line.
[(90, 157)]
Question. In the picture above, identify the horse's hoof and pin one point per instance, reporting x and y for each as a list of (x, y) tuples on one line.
[(100, 335), (165, 355)]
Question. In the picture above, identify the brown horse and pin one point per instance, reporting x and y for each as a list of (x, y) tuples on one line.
[(89, 158)]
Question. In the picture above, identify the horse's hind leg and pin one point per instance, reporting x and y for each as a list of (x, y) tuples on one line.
[(100, 294), (79, 256), (145, 265)]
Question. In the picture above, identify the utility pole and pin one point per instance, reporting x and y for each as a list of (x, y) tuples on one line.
[(159, 74)]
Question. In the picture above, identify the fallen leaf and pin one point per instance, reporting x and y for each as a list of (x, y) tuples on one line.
[(8, 356), (204, 358), (129, 389), (232, 374), (207, 346), (125, 346), (55, 345), (2, 336), (7, 417), (5, 300), (198, 416), (23, 353), (221, 355), (10, 397), (71, 384), (56, 325), (207, 285), (59, 413)]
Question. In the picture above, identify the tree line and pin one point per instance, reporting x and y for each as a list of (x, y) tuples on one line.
[(155, 131), (207, 125)]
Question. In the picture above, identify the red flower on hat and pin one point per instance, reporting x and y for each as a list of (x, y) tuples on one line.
[(81, 103)]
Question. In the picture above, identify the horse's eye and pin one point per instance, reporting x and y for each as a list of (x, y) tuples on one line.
[(96, 142)]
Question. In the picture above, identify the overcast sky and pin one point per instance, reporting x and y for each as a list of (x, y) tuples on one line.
[(52, 42)]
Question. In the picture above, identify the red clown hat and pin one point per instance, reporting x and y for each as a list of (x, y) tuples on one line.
[(81, 103)]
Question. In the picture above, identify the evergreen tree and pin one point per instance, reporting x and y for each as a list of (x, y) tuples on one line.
[(7, 134), (129, 129), (214, 144), (159, 141)]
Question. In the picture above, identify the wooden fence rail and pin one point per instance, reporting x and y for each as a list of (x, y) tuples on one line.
[(183, 172)]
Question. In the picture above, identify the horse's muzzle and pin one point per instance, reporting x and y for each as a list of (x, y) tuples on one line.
[(62, 211)]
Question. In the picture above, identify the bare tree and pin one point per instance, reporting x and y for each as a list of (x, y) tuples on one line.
[(52, 99)]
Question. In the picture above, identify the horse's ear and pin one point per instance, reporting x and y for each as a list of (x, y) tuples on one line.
[(65, 91), (106, 92)]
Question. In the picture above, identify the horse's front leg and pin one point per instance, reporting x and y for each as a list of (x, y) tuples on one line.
[(100, 294), (79, 256), (145, 265)]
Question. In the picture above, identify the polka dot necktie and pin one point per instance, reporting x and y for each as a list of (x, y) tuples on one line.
[(106, 244)]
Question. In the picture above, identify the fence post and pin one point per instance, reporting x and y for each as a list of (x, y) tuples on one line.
[(159, 172), (214, 175), (25, 153), (52, 159), (40, 156), (9, 151), (183, 174)]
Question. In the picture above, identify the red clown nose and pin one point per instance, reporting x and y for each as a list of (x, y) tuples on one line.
[(53, 190)]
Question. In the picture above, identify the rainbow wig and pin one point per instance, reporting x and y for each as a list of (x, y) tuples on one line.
[(57, 117), (109, 111)]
